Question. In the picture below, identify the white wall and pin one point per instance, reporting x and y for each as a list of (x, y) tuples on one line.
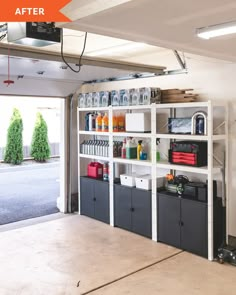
[(211, 79)]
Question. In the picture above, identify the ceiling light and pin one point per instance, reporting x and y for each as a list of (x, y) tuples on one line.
[(217, 30), (128, 47)]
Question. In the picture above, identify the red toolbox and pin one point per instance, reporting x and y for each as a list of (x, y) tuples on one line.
[(95, 170), (190, 153), (184, 158)]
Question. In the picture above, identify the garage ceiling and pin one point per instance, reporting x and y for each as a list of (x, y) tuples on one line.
[(169, 24), (43, 75)]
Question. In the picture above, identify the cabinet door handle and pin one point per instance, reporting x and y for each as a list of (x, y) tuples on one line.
[(181, 223), (94, 199), (132, 209)]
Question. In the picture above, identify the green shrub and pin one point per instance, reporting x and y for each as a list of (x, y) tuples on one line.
[(14, 148), (40, 149)]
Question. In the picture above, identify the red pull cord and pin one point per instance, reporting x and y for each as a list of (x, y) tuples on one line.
[(8, 64)]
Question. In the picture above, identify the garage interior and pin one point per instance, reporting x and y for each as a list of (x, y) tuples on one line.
[(130, 44)]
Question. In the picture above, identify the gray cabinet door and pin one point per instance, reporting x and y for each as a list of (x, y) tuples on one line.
[(101, 198), (123, 207), (169, 220), (194, 227), (141, 212), (87, 196)]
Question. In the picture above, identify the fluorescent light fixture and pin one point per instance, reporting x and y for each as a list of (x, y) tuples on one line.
[(127, 47), (217, 30)]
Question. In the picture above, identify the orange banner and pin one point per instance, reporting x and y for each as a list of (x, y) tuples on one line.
[(33, 11)]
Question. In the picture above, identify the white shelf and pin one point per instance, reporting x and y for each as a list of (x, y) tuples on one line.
[(190, 136), (219, 137), (131, 134), (82, 132), (182, 136), (138, 107), (208, 171), (133, 162), (93, 109), (93, 157), (167, 165), (183, 105)]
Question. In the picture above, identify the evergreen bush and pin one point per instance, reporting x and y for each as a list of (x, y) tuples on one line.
[(40, 149), (14, 148)]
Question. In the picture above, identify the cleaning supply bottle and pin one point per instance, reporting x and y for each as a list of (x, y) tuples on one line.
[(99, 122), (115, 123), (139, 149), (121, 122), (123, 151), (105, 123)]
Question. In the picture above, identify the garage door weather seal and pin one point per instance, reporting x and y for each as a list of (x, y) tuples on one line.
[(130, 274)]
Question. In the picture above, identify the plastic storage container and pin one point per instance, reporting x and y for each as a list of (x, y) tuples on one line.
[(82, 100), (145, 182), (89, 100), (115, 98), (104, 98), (138, 122), (128, 179), (95, 99), (125, 99)]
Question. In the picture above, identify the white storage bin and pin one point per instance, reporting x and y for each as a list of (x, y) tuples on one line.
[(138, 122), (145, 182), (128, 179)]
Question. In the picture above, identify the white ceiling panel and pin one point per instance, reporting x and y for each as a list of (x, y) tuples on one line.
[(169, 24)]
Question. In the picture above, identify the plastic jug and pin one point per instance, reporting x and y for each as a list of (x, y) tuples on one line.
[(115, 123), (99, 122), (105, 123), (121, 122)]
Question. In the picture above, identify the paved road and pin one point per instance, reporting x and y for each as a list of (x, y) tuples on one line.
[(28, 192)]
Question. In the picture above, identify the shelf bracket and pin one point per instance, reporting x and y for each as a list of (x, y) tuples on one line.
[(220, 125), (217, 160), (182, 62)]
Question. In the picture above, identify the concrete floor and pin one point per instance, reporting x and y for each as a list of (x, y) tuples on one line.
[(55, 256)]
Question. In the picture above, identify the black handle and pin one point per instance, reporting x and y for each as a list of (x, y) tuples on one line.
[(181, 223), (94, 199), (132, 209)]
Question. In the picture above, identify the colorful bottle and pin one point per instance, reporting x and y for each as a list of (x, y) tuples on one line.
[(115, 123), (139, 149), (105, 123), (123, 150), (105, 172), (99, 122), (121, 122)]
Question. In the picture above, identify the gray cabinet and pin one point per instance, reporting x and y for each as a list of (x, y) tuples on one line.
[(133, 210), (182, 223), (94, 196), (194, 226), (169, 220)]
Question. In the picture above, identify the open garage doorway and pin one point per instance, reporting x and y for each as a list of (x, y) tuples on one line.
[(29, 187)]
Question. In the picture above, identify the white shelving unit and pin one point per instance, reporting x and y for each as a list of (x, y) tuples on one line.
[(154, 166)]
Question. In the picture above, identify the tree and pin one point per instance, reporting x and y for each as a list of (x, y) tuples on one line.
[(40, 149), (14, 148)]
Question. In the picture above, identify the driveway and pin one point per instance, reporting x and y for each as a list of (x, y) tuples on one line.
[(28, 191)]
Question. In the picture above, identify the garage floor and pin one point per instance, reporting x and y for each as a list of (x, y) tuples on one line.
[(78, 255)]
